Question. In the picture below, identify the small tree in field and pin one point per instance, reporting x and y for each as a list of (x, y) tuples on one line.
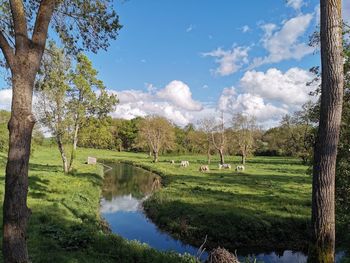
[(158, 133), (244, 127), (218, 137), (206, 125)]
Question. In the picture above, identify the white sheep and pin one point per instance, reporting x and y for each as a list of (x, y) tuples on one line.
[(204, 168), (240, 168), (185, 163)]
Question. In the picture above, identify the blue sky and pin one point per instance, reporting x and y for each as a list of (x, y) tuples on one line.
[(185, 59)]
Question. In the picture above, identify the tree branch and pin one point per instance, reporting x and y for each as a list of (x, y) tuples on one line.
[(19, 22), (42, 23), (7, 50)]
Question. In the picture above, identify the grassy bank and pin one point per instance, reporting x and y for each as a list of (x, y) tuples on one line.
[(65, 225), (265, 207)]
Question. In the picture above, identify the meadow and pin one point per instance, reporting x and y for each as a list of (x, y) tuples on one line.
[(65, 226), (266, 207)]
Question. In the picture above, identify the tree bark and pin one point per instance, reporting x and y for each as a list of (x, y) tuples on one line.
[(209, 155), (322, 246), (74, 146), (63, 154), (15, 210), (155, 156), (243, 159), (221, 153)]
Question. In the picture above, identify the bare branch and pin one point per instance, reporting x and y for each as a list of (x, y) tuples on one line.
[(7, 50), (42, 23)]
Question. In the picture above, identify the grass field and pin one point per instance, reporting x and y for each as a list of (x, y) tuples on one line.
[(65, 226), (267, 207)]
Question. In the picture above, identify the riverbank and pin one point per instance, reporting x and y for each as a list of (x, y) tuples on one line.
[(65, 225), (266, 208)]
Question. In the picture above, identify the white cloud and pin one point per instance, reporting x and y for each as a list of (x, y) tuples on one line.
[(284, 44), (190, 28), (173, 102), (245, 29), (5, 99), (180, 94), (295, 4), (250, 104), (230, 61), (289, 88)]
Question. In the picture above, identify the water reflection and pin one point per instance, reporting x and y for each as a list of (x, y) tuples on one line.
[(125, 188)]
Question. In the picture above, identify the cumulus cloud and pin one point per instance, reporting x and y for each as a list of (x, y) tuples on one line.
[(230, 61), (284, 43), (180, 94), (5, 99), (174, 102), (295, 4), (289, 88), (249, 104)]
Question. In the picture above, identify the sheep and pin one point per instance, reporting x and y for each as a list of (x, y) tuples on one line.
[(185, 163), (225, 166), (204, 168), (172, 162), (240, 168)]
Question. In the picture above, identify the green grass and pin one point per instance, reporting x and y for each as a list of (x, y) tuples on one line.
[(265, 207), (65, 225)]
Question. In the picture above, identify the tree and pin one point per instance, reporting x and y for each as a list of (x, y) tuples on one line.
[(206, 126), (158, 133), (24, 29), (67, 99), (219, 138), (83, 101), (51, 107), (244, 127), (322, 247)]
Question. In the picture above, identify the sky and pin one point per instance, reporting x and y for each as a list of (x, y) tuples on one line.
[(188, 59)]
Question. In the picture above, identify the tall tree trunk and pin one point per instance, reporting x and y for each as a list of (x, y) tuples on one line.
[(15, 210), (243, 159), (63, 154), (155, 156), (74, 146), (322, 247), (221, 153)]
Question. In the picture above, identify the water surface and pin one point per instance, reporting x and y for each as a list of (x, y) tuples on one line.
[(124, 189)]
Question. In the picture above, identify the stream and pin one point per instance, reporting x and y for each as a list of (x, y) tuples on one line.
[(124, 189)]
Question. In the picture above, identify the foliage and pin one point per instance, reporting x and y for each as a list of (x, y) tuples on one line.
[(243, 129), (67, 98), (97, 134), (156, 134)]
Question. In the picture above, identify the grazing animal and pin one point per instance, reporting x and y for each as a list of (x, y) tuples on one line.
[(224, 166), (185, 163), (172, 162), (204, 168), (240, 168)]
